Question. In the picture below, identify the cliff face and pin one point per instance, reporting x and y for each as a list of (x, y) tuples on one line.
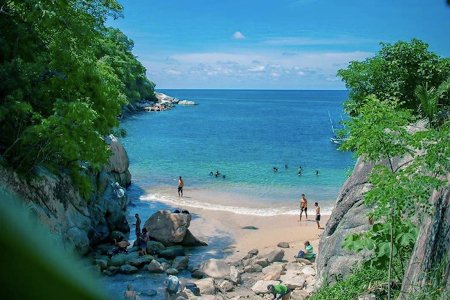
[(432, 249), (349, 216), (58, 204)]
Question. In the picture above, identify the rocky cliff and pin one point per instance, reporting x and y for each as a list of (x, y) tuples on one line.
[(431, 255), (80, 222), (348, 216)]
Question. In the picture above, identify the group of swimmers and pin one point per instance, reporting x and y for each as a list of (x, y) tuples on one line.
[(299, 170), (217, 174)]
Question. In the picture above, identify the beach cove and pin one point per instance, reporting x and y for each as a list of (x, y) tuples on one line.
[(253, 207)]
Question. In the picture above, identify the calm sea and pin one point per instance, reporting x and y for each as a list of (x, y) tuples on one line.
[(243, 134)]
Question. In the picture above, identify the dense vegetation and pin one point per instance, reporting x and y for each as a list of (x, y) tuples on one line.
[(64, 77), (403, 85)]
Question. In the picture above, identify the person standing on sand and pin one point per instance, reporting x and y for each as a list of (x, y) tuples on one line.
[(303, 206), (317, 215), (180, 186), (138, 226)]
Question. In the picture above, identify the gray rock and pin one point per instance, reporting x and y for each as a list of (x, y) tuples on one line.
[(235, 276), (225, 286), (118, 259), (180, 263), (118, 162), (260, 287), (167, 227), (139, 262), (78, 239), (127, 269), (275, 256), (274, 267), (299, 295), (293, 279), (255, 268), (198, 274), (190, 240), (172, 271), (165, 266), (283, 245), (308, 270), (253, 252), (303, 261), (215, 268), (206, 286), (155, 267), (172, 252), (349, 216), (263, 261), (149, 293), (155, 247), (113, 269)]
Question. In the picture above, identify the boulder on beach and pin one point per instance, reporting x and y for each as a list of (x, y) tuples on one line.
[(127, 269), (171, 228), (260, 287), (154, 247), (206, 286), (283, 245), (155, 267), (293, 279), (180, 263), (172, 252), (275, 256)]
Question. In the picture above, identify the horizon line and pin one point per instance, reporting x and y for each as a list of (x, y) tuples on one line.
[(250, 89)]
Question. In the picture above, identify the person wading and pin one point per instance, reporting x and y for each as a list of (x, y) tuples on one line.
[(180, 186)]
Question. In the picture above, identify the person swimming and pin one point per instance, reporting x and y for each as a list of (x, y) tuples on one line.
[(275, 169), (217, 173)]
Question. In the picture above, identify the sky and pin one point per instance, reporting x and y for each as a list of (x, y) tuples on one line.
[(271, 44)]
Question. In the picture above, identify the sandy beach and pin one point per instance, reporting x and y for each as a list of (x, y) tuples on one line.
[(270, 231)]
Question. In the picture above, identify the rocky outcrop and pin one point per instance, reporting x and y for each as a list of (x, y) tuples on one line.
[(171, 228), (349, 216), (431, 251), (58, 204)]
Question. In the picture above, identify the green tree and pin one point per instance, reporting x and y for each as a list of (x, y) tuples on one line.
[(399, 193), (430, 98), (64, 78), (393, 74)]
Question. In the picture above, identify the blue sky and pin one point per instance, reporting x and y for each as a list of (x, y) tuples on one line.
[(272, 44)]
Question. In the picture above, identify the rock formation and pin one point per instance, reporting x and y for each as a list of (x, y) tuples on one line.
[(171, 229), (61, 208)]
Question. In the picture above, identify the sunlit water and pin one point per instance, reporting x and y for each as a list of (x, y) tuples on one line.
[(243, 134)]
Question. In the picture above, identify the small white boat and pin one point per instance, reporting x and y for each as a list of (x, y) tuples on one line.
[(336, 138)]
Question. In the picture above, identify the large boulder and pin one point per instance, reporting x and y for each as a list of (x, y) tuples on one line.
[(293, 279), (172, 252), (260, 287), (170, 228), (275, 256), (206, 286), (118, 162), (215, 268)]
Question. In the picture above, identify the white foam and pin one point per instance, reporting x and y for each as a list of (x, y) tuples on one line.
[(266, 212)]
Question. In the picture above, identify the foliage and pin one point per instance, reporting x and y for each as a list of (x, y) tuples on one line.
[(63, 80), (429, 101), (362, 280), (393, 74), (399, 193), (38, 267)]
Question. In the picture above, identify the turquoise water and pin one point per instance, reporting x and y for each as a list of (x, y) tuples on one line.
[(243, 134)]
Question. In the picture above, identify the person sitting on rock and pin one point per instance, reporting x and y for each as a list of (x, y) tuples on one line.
[(309, 254), (143, 239), (283, 292), (121, 247)]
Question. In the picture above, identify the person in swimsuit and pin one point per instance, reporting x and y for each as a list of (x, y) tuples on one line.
[(303, 206), (180, 186), (317, 215)]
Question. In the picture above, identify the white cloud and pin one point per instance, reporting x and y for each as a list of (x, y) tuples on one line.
[(173, 72), (238, 36), (257, 69)]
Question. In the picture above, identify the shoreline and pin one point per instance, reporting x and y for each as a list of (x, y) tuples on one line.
[(270, 231)]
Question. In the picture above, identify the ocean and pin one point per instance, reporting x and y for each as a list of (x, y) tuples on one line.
[(242, 134)]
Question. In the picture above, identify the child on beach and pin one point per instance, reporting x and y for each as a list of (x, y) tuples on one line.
[(317, 215), (143, 239)]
